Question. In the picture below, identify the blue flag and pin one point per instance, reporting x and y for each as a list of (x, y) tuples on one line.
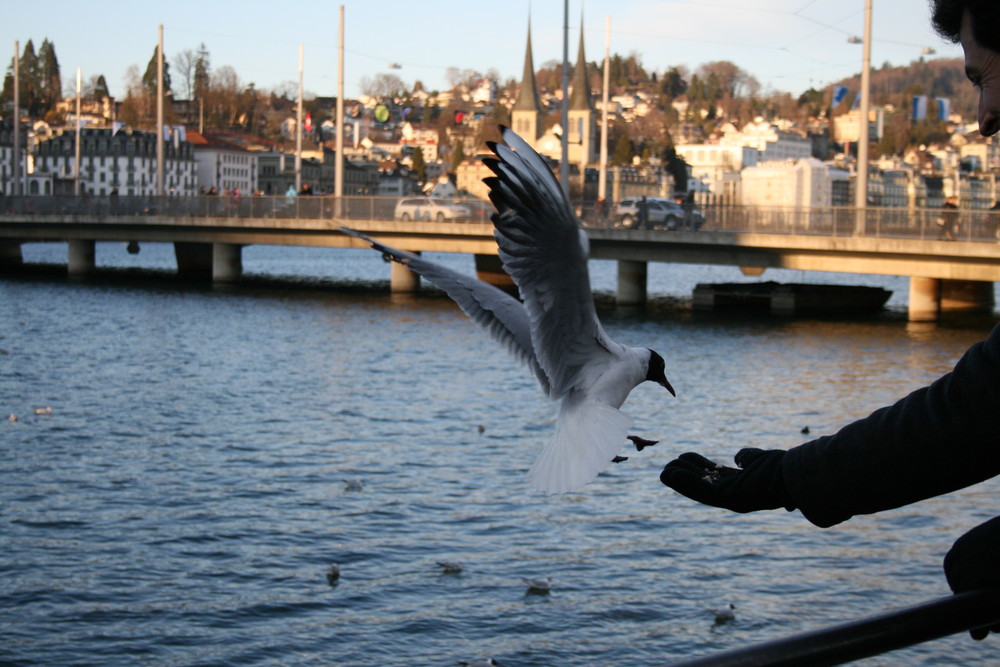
[(839, 93), (944, 107)]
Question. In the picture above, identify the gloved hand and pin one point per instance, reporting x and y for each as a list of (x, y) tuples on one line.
[(974, 562), (758, 483)]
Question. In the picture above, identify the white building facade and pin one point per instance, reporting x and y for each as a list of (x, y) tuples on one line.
[(225, 166), (790, 183), (122, 162), (771, 142)]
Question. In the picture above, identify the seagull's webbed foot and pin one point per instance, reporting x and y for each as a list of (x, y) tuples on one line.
[(641, 443)]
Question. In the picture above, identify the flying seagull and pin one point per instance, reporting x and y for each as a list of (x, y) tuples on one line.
[(554, 328)]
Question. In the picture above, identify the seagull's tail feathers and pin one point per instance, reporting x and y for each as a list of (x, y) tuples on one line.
[(588, 435)]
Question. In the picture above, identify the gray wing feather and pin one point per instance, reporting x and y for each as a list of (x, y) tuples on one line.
[(503, 316), (544, 250)]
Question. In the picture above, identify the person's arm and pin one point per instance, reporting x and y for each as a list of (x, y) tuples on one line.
[(938, 439)]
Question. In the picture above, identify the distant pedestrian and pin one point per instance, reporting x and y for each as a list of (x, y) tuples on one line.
[(643, 213), (949, 219), (601, 209), (993, 222)]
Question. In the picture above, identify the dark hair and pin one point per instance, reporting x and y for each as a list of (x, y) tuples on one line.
[(946, 15)]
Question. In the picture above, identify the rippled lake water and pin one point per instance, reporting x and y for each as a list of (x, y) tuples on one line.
[(199, 470)]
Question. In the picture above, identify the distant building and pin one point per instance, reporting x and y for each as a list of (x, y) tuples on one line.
[(790, 183), (719, 166), (222, 164), (847, 127), (426, 140), (276, 172), (772, 142), (123, 162), (7, 170)]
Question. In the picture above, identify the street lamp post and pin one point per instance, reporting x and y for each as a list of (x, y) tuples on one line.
[(861, 195)]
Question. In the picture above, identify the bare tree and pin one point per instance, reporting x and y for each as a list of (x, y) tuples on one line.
[(383, 85), (225, 95), (184, 65)]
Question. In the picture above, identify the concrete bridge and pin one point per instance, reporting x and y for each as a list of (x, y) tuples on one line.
[(953, 272)]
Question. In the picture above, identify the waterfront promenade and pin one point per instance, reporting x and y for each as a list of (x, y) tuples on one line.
[(946, 273)]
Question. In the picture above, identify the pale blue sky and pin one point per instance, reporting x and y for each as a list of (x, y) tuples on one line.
[(788, 45)]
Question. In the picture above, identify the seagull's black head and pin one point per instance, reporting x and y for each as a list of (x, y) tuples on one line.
[(657, 371)]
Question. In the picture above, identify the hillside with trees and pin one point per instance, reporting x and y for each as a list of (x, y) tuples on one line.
[(684, 104)]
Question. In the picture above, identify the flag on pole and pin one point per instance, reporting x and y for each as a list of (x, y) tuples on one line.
[(857, 101), (944, 107), (839, 93), (115, 126), (919, 107)]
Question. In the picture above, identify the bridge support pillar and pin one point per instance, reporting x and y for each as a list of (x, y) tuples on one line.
[(10, 255), (80, 259), (931, 297), (925, 299), (227, 262), (402, 279), (489, 269), (631, 283), (966, 296), (194, 260)]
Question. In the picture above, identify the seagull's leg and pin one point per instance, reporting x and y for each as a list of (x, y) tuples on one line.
[(641, 443)]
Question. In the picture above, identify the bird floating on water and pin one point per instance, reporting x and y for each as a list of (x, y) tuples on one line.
[(554, 328), (539, 586), (354, 485), (333, 574), (450, 567), (47, 410), (725, 614)]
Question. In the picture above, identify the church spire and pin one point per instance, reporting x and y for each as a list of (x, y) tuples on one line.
[(527, 96), (580, 99)]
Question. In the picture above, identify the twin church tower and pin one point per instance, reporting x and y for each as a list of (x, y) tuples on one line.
[(527, 115)]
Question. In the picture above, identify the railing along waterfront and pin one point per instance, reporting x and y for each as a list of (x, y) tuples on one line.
[(874, 222)]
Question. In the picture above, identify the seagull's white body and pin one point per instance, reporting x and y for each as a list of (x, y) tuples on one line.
[(554, 329)]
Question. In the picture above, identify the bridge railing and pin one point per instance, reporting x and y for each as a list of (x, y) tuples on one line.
[(917, 223), (873, 222), (305, 207)]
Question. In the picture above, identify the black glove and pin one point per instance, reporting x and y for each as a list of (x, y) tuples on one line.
[(757, 485), (974, 562)]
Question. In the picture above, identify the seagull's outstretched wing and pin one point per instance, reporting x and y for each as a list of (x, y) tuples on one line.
[(544, 249), (490, 307)]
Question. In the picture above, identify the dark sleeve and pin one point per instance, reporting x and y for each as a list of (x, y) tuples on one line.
[(938, 439)]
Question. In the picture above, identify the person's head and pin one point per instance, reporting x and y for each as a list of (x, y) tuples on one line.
[(974, 24)]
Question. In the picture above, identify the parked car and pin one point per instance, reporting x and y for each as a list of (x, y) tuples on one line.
[(430, 208), (659, 213)]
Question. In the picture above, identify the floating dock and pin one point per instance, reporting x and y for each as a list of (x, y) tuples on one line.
[(790, 298)]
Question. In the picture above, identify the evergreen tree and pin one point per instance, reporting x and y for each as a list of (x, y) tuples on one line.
[(30, 81), (419, 165), (673, 84), (149, 78), (457, 154), (623, 150), (50, 79)]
